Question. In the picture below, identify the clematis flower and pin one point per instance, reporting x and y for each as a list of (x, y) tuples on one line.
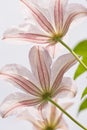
[(44, 80), (50, 119), (49, 23)]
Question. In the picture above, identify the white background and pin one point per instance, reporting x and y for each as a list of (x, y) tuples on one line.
[(12, 51)]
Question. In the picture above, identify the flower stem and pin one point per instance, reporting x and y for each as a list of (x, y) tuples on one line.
[(67, 114), (74, 54)]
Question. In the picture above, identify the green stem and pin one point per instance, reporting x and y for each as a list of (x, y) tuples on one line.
[(74, 54), (67, 114)]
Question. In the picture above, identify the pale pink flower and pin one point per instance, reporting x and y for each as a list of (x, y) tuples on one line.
[(45, 80), (50, 21), (51, 118)]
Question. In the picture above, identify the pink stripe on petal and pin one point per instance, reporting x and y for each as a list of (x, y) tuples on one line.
[(41, 19), (67, 88), (60, 66), (74, 11), (58, 80), (70, 20), (42, 70), (22, 82), (58, 14), (40, 62), (36, 38), (20, 104), (66, 92), (60, 76)]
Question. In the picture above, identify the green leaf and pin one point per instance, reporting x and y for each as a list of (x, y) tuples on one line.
[(81, 48), (83, 105), (84, 93), (80, 69)]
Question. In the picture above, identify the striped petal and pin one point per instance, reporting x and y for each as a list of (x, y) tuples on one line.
[(22, 82), (73, 12), (40, 18), (40, 62), (60, 66), (52, 117), (16, 69), (15, 101), (26, 36), (19, 70), (59, 7), (67, 88)]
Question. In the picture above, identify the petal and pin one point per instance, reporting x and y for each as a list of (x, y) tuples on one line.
[(65, 104), (43, 4), (60, 66), (26, 36), (62, 125), (46, 7), (40, 18), (59, 9), (15, 101), (23, 83), (40, 119), (51, 50), (53, 116), (40, 62), (16, 69), (31, 115), (73, 12), (55, 50), (19, 70), (67, 88)]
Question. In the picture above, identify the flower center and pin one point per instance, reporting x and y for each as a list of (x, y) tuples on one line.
[(46, 95), (55, 38), (49, 128)]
